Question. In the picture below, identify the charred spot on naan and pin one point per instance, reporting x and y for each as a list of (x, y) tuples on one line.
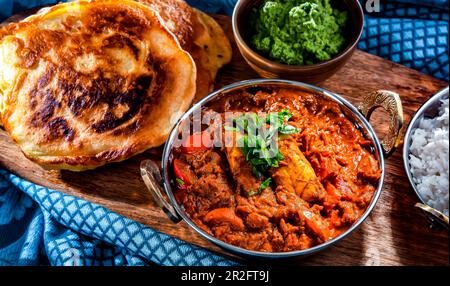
[(212, 51), (213, 40)]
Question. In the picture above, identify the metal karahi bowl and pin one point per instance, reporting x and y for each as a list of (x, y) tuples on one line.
[(428, 110), (160, 183)]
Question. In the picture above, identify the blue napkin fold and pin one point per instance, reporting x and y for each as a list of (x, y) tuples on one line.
[(39, 226)]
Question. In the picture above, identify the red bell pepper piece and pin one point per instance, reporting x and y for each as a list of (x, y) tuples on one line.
[(182, 179), (197, 142)]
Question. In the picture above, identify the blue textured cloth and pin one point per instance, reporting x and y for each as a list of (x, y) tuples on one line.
[(410, 33), (64, 230), (39, 226)]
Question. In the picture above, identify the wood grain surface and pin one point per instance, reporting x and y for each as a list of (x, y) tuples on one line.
[(394, 234)]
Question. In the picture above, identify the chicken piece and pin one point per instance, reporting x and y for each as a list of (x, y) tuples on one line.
[(265, 203), (350, 213), (297, 175), (210, 188), (313, 220), (294, 241), (368, 168), (247, 183), (257, 221), (241, 170), (257, 210), (205, 162), (224, 216), (326, 167)]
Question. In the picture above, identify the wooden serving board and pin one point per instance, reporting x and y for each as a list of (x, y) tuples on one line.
[(395, 233)]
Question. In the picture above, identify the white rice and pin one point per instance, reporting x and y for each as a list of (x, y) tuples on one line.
[(429, 159)]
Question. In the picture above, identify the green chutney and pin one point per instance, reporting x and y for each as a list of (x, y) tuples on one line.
[(297, 32)]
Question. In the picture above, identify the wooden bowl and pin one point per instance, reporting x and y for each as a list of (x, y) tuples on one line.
[(307, 73)]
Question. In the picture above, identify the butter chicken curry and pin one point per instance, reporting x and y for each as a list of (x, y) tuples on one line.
[(313, 186)]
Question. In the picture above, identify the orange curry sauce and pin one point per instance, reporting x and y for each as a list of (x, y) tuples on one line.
[(325, 182)]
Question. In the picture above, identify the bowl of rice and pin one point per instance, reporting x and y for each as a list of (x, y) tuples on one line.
[(426, 155)]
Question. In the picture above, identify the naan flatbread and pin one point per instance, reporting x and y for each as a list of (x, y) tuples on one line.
[(200, 35), (87, 83)]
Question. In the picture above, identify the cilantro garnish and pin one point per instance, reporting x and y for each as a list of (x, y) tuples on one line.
[(259, 141)]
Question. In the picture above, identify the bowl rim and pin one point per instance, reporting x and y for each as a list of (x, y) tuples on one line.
[(258, 254), (418, 115), (242, 44)]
